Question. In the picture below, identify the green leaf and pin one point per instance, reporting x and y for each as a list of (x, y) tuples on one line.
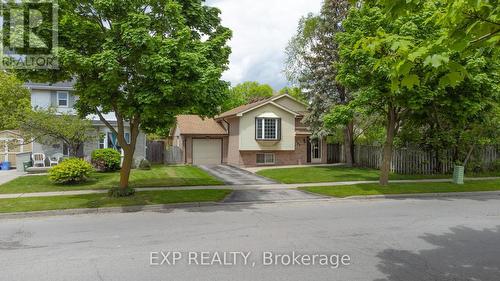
[(436, 60), (410, 81)]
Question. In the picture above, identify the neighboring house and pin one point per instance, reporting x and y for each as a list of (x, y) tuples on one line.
[(267, 132), (61, 97), (12, 143)]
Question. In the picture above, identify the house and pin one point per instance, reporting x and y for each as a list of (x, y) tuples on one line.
[(12, 143), (61, 97), (266, 132)]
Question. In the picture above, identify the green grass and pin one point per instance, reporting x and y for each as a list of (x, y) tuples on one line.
[(404, 188), (156, 177), (335, 174), (102, 200)]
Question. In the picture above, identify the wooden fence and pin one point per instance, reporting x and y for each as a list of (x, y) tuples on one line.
[(418, 161), (174, 155), (155, 152)]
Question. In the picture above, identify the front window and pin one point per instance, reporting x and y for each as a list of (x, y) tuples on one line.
[(265, 158), (102, 141), (62, 99), (112, 140), (267, 128)]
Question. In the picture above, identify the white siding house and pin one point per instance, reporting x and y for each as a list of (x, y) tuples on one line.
[(60, 96)]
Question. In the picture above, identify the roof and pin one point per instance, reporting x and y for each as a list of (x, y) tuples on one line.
[(62, 86), (195, 125), (242, 108), (251, 106)]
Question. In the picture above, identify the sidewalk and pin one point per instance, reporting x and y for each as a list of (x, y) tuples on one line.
[(232, 187), (6, 176)]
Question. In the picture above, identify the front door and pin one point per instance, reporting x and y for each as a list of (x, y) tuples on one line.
[(316, 151)]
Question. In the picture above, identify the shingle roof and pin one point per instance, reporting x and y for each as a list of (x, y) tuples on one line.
[(242, 108), (195, 125)]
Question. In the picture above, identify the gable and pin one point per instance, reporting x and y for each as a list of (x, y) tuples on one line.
[(291, 104), (247, 139)]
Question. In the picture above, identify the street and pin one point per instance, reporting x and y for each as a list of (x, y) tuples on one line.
[(385, 239)]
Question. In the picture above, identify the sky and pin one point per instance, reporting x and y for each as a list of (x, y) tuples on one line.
[(261, 31)]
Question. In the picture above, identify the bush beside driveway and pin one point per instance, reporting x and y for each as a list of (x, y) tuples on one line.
[(158, 176), (404, 188)]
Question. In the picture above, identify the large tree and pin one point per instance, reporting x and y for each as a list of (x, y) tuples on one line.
[(15, 101), (311, 65), (397, 69), (144, 60)]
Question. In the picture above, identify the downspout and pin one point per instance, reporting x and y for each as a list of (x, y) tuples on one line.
[(228, 134)]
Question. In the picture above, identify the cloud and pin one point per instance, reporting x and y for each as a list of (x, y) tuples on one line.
[(261, 31)]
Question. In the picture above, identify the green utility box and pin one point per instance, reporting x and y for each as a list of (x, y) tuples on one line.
[(27, 164), (458, 174)]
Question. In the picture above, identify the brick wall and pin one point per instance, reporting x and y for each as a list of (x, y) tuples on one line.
[(297, 157)]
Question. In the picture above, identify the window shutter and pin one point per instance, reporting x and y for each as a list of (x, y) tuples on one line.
[(279, 129), (256, 128)]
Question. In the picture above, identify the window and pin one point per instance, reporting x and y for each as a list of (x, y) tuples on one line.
[(267, 128), (265, 158), (112, 141), (62, 99), (316, 149), (102, 141), (65, 149)]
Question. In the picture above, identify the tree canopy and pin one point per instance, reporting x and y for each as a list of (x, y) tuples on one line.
[(247, 92), (46, 126), (145, 60), (15, 101), (397, 69)]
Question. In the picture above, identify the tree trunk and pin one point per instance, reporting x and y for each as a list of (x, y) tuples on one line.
[(349, 143), (385, 168), (128, 158)]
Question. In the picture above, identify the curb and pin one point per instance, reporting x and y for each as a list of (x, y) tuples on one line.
[(107, 210), (426, 195), (166, 207)]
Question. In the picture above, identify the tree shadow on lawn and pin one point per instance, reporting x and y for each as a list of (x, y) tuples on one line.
[(462, 254)]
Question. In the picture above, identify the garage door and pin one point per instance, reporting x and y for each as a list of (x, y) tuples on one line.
[(207, 151)]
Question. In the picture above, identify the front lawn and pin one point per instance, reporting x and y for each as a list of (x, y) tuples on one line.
[(335, 174), (404, 188), (158, 176), (102, 200)]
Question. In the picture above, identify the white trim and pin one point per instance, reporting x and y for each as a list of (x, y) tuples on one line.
[(263, 130), (290, 97), (54, 88), (266, 103)]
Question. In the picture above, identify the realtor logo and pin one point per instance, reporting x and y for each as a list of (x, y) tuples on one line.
[(28, 37)]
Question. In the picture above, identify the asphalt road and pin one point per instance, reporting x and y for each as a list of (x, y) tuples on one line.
[(400, 240)]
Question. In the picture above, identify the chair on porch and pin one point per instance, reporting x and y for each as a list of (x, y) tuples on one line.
[(56, 159), (38, 159)]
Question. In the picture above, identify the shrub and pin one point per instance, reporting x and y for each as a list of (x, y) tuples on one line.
[(144, 165), (106, 160), (70, 171)]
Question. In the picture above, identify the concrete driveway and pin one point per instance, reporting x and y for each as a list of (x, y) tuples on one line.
[(235, 176), (6, 176), (269, 195)]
